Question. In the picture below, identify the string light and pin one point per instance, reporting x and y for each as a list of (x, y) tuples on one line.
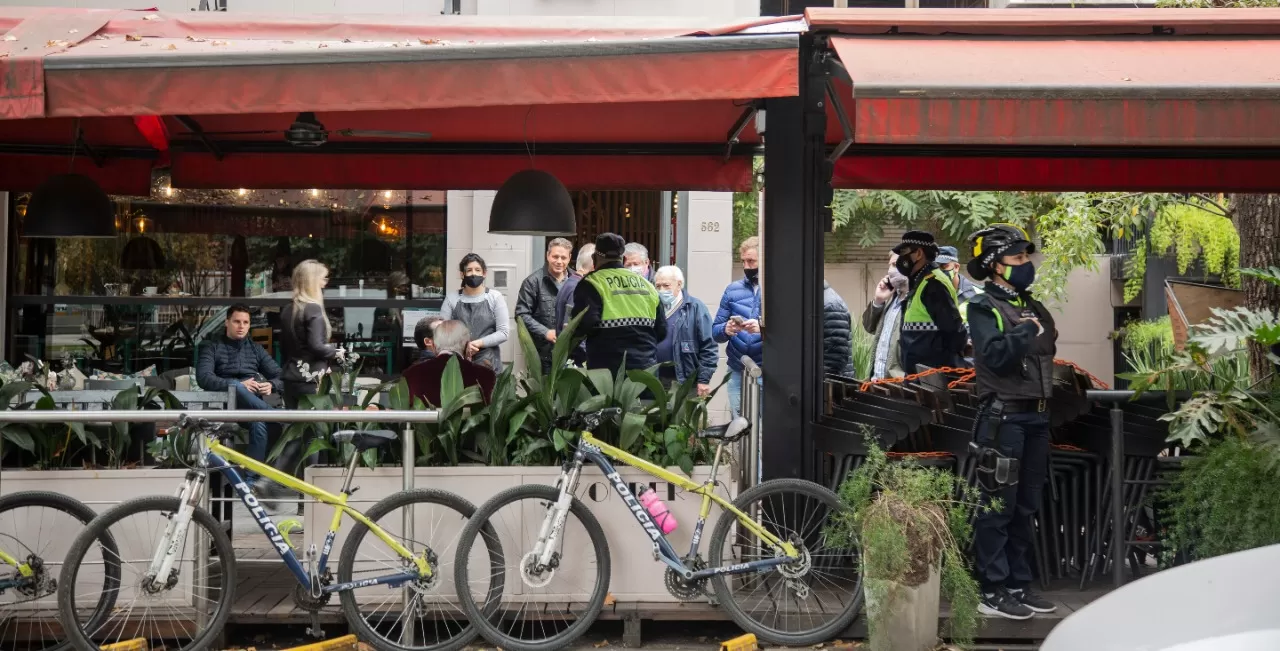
[(242, 192), (168, 191), (386, 194), (315, 193)]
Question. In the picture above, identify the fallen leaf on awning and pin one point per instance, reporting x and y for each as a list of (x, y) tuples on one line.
[(171, 46), (196, 40), (56, 43), (101, 37), (132, 37), (217, 43), (346, 40), (151, 17), (10, 37), (323, 45), (429, 41)]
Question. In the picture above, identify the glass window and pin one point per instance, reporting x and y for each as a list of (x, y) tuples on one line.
[(153, 293)]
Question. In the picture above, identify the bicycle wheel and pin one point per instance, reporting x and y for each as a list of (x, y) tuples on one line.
[(424, 615), (185, 610), (36, 529), (798, 604), (537, 610)]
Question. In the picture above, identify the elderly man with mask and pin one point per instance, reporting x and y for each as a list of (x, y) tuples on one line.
[(636, 258), (688, 345), (883, 319)]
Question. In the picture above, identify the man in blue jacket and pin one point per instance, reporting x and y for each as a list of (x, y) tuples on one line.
[(233, 359), (738, 320), (688, 346)]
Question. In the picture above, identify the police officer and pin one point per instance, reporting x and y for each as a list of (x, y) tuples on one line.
[(624, 318), (949, 262), (932, 333), (1014, 342)]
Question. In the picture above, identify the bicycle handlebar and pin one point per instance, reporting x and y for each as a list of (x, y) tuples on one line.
[(587, 420)]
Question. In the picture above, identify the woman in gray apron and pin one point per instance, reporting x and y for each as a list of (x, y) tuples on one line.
[(484, 313)]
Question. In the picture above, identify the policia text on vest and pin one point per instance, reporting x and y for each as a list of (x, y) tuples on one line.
[(623, 320)]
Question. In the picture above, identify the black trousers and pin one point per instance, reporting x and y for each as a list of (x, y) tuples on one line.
[(1003, 539)]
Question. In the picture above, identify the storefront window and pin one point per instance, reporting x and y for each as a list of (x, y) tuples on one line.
[(152, 294)]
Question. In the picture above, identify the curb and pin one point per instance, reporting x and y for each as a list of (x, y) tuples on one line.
[(139, 644), (344, 643)]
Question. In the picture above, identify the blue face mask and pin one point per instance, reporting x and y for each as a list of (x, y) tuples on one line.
[(667, 297), (1020, 276)]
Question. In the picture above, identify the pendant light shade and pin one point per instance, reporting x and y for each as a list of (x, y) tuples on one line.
[(70, 205), (533, 202), (142, 254)]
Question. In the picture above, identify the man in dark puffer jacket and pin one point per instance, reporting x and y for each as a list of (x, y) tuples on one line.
[(233, 358), (837, 333)]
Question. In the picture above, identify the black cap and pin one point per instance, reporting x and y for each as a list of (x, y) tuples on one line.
[(610, 245), (917, 240)]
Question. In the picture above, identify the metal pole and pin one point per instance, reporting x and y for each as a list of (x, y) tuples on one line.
[(200, 589), (1117, 495), (407, 464), (751, 401), (220, 416)]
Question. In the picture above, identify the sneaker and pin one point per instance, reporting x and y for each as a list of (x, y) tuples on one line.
[(1001, 604), (1033, 601)]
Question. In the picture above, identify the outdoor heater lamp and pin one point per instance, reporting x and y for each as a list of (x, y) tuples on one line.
[(70, 205), (533, 202)]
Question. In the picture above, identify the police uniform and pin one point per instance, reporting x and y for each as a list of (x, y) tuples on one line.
[(623, 317), (932, 333), (1013, 363)]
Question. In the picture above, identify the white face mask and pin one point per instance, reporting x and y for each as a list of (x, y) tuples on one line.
[(639, 269), (898, 280)]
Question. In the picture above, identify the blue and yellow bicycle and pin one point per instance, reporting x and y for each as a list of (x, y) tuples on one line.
[(177, 568)]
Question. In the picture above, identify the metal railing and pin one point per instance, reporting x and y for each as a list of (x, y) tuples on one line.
[(751, 468)]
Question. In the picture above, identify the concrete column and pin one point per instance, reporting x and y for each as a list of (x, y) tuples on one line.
[(707, 246)]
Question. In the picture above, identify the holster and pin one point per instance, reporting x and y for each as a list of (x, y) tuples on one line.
[(995, 471)]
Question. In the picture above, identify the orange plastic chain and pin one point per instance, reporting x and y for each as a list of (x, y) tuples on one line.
[(920, 455), (967, 374)]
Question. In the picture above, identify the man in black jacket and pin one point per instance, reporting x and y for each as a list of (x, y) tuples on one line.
[(933, 335), (232, 359), (1014, 343), (536, 305), (837, 333)]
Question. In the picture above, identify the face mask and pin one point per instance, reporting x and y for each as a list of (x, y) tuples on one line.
[(751, 273), (1020, 276), (639, 269), (897, 279), (667, 297), (472, 281), (904, 265)]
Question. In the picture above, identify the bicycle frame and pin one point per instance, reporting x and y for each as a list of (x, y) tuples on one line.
[(25, 573), (220, 457), (600, 453)]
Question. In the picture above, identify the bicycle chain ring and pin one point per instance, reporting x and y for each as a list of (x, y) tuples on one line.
[(686, 589), (302, 597)]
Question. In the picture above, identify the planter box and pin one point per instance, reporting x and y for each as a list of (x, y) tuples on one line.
[(635, 575), (100, 490)]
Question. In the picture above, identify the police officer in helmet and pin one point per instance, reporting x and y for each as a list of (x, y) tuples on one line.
[(1014, 342)]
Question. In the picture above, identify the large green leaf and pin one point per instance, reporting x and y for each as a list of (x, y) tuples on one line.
[(602, 380), (398, 395), (465, 398), (532, 369), (633, 428), (292, 432), (13, 389), (565, 343), (656, 387), (18, 436), (594, 403), (451, 381)]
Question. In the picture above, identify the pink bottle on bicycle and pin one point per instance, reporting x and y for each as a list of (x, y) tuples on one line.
[(665, 520)]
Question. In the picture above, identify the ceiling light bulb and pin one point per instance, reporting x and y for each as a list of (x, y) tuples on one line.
[(168, 191), (386, 194), (242, 192), (315, 193)]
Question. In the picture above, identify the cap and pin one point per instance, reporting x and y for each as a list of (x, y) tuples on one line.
[(610, 245), (947, 255), (917, 240)]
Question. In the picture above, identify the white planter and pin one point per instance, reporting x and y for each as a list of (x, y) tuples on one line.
[(100, 490), (912, 621), (635, 575)]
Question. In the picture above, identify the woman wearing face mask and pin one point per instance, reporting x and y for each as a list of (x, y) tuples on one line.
[(688, 346), (1014, 343), (484, 312)]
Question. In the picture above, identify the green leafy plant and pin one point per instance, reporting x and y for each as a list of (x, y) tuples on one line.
[(330, 395), (907, 519), (556, 394), (443, 439), (864, 352), (49, 445)]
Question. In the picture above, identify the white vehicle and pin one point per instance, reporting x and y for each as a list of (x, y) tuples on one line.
[(1228, 603)]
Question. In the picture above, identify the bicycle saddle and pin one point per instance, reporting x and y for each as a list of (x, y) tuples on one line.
[(728, 432), (365, 439)]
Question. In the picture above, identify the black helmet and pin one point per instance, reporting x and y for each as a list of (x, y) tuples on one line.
[(994, 242)]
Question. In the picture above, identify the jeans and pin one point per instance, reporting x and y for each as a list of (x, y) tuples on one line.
[(734, 387), (257, 448), (1003, 539)]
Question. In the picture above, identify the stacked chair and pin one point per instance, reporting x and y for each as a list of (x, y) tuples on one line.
[(931, 420)]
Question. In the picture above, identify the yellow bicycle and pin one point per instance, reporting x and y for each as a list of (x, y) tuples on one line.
[(769, 563), (179, 568)]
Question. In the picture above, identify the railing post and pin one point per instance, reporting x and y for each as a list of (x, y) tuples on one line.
[(407, 454), (750, 402), (1118, 528)]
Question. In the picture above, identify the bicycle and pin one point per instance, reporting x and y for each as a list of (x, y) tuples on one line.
[(27, 614), (800, 580), (189, 581)]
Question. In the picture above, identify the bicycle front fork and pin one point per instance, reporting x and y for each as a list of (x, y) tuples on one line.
[(160, 573), (553, 524)]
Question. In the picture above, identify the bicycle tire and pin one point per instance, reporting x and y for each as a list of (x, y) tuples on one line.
[(100, 525), (725, 596), (350, 609), (483, 620), (78, 510)]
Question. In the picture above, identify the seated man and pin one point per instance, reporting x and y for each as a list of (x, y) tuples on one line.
[(232, 359), (422, 335), (449, 338)]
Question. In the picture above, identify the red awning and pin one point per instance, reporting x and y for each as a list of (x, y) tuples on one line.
[(1056, 100), (604, 103)]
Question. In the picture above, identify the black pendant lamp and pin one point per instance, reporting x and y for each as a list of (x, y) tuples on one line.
[(142, 254), (70, 205), (533, 202)]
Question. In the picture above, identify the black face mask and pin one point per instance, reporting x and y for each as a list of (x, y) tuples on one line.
[(751, 274), (472, 281), (905, 265)]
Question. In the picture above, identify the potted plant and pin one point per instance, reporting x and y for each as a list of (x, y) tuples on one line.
[(912, 525)]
